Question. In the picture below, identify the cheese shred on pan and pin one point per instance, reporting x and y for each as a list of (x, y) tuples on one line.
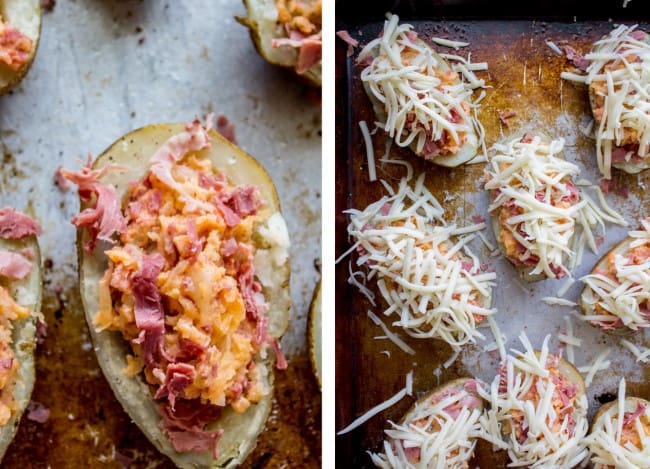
[(407, 390), (618, 76), (618, 294), (432, 284), (425, 102), (440, 432), (620, 436), (537, 413)]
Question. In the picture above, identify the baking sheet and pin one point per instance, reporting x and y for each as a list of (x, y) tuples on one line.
[(102, 69), (524, 77)]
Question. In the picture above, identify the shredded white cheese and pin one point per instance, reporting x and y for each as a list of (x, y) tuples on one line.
[(390, 335), (613, 435), (439, 432), (599, 364), (425, 103), (641, 355), (432, 284), (535, 201), (406, 391), (449, 43), (536, 432), (556, 50), (618, 77), (570, 340), (621, 297), (370, 151), (539, 207)]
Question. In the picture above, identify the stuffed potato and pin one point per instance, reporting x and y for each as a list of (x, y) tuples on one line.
[(288, 33), (20, 301), (20, 24), (185, 304)]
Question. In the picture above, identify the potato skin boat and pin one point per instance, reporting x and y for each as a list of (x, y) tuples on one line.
[(261, 24), (621, 248), (464, 154), (27, 292), (241, 430), (25, 15), (315, 335), (523, 270)]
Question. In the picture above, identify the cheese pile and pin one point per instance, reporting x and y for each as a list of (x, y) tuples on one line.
[(422, 97), (532, 176), (431, 281), (522, 402), (610, 301), (431, 437), (619, 73), (611, 439)]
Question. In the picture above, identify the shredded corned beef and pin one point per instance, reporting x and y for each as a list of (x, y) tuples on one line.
[(185, 426), (281, 360), (311, 49), (15, 47), (41, 331), (178, 377), (226, 128), (149, 316), (576, 58), (104, 218), (351, 42), (14, 265), (504, 116), (60, 180), (630, 417), (16, 225), (37, 412)]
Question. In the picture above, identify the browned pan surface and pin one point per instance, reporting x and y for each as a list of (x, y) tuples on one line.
[(513, 49)]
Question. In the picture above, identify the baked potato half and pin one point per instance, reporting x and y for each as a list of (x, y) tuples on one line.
[(315, 334), (419, 101), (240, 428), (26, 292), (538, 410), (288, 36), (616, 293), (523, 206), (20, 27), (611, 445), (621, 135), (442, 426)]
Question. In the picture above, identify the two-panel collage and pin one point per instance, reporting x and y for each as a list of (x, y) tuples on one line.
[(466, 182)]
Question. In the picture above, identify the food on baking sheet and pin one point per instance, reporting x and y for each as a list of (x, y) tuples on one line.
[(418, 99), (619, 93), (188, 290), (534, 204), (20, 25), (20, 305), (620, 433), (617, 292), (288, 33), (440, 430), (538, 410), (432, 283), (315, 334)]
